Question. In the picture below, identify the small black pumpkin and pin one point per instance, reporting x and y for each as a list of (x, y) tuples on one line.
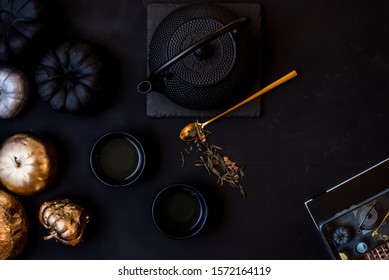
[(69, 77), (20, 21)]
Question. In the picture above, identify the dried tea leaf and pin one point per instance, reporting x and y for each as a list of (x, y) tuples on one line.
[(226, 170), (182, 159)]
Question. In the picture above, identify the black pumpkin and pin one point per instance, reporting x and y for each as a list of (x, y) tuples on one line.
[(69, 77), (20, 21)]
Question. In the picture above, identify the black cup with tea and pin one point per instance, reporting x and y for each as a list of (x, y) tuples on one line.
[(117, 159), (179, 211)]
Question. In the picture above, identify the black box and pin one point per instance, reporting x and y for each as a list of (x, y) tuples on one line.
[(352, 217)]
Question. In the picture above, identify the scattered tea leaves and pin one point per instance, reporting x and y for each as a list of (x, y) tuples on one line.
[(226, 170)]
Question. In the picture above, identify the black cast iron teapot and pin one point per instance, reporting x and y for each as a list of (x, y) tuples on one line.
[(201, 56)]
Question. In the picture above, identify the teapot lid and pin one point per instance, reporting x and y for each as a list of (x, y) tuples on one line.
[(207, 65)]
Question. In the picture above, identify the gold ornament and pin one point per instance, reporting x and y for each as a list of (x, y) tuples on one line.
[(28, 163), (13, 226), (65, 219)]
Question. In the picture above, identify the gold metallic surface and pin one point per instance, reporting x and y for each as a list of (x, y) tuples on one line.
[(65, 220), (28, 163), (13, 226), (381, 236)]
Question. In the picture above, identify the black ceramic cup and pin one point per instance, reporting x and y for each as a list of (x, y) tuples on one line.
[(179, 211), (117, 159)]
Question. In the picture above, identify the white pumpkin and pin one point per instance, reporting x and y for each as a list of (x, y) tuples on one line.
[(28, 163)]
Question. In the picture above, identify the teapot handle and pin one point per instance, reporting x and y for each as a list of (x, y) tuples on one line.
[(147, 85)]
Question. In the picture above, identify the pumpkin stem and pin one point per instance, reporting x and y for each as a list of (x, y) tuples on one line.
[(18, 163), (52, 234)]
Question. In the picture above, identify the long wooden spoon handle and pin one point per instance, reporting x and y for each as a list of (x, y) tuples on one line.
[(280, 81)]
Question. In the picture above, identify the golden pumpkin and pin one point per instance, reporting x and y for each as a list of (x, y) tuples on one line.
[(65, 219), (13, 226), (28, 163)]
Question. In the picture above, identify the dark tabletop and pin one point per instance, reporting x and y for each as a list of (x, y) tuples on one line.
[(326, 125)]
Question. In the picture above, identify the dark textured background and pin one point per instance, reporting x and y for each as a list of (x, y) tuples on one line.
[(328, 124)]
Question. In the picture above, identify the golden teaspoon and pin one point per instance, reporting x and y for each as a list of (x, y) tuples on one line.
[(186, 134)]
